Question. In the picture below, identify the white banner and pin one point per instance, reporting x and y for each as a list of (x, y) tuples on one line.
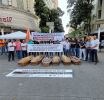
[(47, 36), (56, 73), (45, 48)]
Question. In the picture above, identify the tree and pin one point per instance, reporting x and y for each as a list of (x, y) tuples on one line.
[(47, 15), (81, 13), (54, 17), (76, 34)]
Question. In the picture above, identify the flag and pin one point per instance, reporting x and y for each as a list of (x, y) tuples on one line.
[(27, 35)]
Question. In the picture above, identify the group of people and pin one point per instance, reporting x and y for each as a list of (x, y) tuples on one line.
[(18, 47), (84, 48), (3, 47)]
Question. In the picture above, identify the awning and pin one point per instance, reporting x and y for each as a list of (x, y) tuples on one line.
[(14, 35)]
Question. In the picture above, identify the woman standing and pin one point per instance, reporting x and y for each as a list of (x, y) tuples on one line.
[(18, 49)]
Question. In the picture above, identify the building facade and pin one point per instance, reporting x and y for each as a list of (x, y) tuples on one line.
[(98, 15), (51, 4), (18, 15)]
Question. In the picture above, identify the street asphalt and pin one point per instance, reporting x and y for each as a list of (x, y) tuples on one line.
[(87, 82)]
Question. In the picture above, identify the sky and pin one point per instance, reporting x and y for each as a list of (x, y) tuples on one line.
[(65, 18)]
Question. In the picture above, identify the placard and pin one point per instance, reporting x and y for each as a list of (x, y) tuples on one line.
[(45, 48)]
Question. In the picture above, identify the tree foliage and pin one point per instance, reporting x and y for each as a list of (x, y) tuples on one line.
[(47, 15), (81, 12), (76, 34)]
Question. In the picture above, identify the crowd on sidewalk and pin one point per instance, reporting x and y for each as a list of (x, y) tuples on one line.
[(84, 48)]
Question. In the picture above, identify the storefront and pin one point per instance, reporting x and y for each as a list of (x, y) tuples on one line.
[(12, 19)]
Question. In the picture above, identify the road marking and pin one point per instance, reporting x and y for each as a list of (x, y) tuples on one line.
[(58, 73)]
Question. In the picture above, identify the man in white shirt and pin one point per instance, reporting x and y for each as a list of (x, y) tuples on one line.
[(94, 45), (24, 48), (63, 42), (11, 48)]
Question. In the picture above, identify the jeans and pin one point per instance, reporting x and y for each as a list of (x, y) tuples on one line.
[(64, 50), (67, 52), (24, 53), (77, 52), (51, 54), (88, 54), (2, 50), (83, 53), (94, 57), (72, 50), (19, 54), (10, 55)]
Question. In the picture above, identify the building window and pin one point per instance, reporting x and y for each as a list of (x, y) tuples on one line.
[(99, 14), (92, 26), (0, 2), (100, 3), (27, 5), (20, 4), (10, 2), (98, 25)]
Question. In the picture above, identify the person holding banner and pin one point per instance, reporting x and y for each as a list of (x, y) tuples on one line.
[(64, 46), (30, 42), (67, 47)]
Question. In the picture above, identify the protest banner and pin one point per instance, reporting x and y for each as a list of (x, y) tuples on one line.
[(45, 48), (47, 36)]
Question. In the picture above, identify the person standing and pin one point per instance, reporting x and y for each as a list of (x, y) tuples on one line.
[(2, 46), (64, 46), (94, 48), (72, 47), (11, 50), (82, 49), (67, 45), (30, 42), (18, 49), (77, 48), (88, 49), (24, 48)]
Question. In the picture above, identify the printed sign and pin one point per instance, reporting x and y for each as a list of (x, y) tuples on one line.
[(47, 36), (57, 73), (45, 48), (5, 19)]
